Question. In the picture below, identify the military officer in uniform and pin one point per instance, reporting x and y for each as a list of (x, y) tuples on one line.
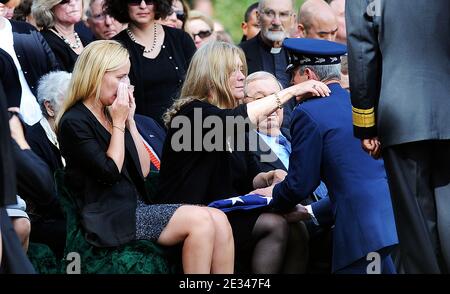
[(323, 147), (400, 82)]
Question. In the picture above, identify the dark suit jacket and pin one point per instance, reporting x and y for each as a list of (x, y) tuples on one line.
[(41, 145), (324, 146), (252, 54), (106, 196), (399, 74), (322, 209), (34, 54), (267, 159), (9, 78), (7, 167), (35, 185)]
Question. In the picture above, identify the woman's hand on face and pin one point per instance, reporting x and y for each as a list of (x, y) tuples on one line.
[(132, 104), (310, 88), (120, 108)]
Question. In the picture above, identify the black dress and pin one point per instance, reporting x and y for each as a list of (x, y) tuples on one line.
[(158, 81), (114, 205), (65, 56), (200, 177)]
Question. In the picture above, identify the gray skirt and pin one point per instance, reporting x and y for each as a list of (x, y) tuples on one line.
[(152, 219)]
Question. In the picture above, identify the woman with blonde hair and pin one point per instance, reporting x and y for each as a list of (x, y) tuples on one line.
[(197, 174), (106, 164), (57, 18), (200, 27)]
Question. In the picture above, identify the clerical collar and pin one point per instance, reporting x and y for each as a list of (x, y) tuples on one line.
[(268, 48), (275, 50)]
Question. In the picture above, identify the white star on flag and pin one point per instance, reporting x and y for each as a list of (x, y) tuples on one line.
[(236, 199)]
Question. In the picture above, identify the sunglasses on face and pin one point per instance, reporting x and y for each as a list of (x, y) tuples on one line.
[(138, 2), (180, 16), (202, 34)]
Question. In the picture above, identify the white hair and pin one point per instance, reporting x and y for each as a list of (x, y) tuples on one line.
[(53, 87), (324, 72), (257, 76)]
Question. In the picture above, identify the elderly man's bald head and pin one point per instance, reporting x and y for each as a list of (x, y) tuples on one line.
[(317, 20)]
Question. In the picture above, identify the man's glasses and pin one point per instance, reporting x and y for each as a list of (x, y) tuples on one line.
[(202, 34), (284, 15), (138, 2), (66, 2)]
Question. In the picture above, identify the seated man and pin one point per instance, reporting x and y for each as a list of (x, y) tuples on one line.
[(271, 151)]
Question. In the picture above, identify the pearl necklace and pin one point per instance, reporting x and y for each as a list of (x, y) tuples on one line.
[(77, 40), (155, 38)]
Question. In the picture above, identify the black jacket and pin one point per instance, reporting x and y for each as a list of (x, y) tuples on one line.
[(9, 78), (34, 54), (41, 145), (260, 150), (106, 197), (65, 56), (200, 177), (7, 167), (180, 47)]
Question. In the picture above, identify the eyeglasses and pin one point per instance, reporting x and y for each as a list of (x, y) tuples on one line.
[(180, 15), (202, 34), (284, 15), (99, 17), (138, 2), (66, 2)]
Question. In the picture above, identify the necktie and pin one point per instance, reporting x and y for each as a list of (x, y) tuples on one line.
[(153, 158), (284, 142)]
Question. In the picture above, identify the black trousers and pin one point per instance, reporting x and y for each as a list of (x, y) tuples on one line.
[(419, 181), (14, 260)]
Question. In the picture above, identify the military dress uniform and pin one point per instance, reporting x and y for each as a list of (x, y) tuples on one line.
[(324, 148), (400, 82)]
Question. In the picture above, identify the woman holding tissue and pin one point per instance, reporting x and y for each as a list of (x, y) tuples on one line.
[(107, 163)]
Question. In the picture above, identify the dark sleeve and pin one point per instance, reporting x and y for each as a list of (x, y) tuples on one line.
[(323, 211), (7, 168), (61, 53), (364, 63), (34, 178), (223, 114), (9, 78), (305, 163), (52, 63), (79, 143), (188, 47)]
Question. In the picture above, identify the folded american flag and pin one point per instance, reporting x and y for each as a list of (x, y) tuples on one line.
[(246, 202)]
